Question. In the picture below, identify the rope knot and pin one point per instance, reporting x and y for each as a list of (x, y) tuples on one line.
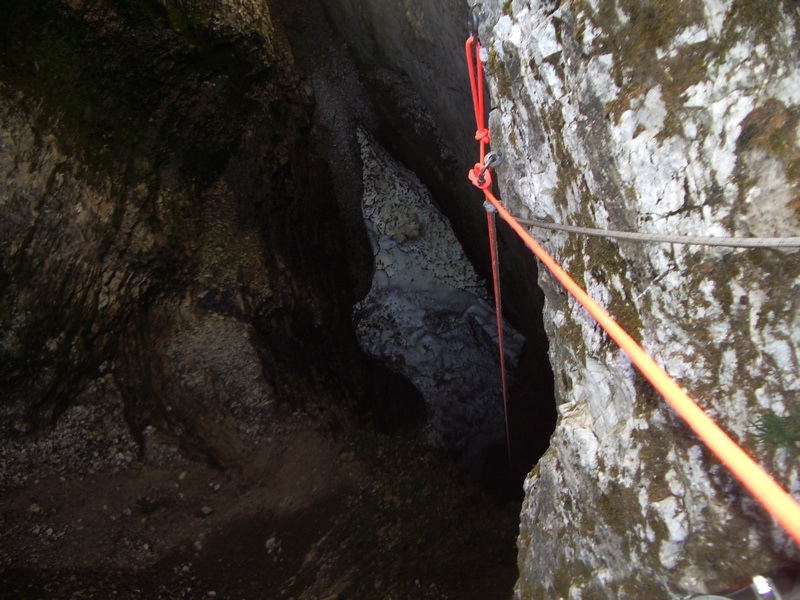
[(482, 135), (480, 177)]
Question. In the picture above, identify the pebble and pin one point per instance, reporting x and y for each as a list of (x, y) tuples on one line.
[(206, 510), (273, 545)]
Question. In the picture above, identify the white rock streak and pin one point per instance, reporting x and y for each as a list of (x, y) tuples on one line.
[(428, 315)]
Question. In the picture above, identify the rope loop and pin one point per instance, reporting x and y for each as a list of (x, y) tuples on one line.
[(491, 221)]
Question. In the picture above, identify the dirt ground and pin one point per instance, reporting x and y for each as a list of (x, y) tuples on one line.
[(311, 514)]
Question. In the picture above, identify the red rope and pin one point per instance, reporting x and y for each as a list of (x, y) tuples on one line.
[(475, 67), (482, 179), (498, 311)]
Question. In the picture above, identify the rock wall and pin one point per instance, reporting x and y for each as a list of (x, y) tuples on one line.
[(673, 119), (177, 277), (164, 214), (427, 314), (410, 59)]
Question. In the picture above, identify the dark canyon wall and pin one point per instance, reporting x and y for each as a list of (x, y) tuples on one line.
[(167, 220), (412, 65)]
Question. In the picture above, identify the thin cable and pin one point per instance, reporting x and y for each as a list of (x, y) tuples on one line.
[(730, 242)]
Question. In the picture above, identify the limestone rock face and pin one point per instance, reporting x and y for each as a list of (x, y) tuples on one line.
[(670, 119), (427, 314)]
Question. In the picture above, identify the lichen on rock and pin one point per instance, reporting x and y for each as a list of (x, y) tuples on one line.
[(659, 118)]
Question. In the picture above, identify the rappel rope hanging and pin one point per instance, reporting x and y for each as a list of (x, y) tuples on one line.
[(491, 215), (482, 178), (760, 484)]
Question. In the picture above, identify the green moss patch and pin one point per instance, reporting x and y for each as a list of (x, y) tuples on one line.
[(748, 19), (776, 431), (651, 26), (500, 74), (600, 257)]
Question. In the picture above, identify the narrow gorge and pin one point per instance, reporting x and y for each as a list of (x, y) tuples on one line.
[(247, 334)]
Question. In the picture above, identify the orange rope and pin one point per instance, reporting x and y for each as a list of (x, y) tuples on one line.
[(772, 496), (763, 487)]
